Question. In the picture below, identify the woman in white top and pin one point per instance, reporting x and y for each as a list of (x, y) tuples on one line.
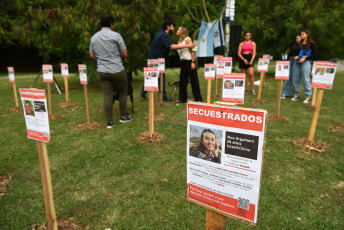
[(187, 69)]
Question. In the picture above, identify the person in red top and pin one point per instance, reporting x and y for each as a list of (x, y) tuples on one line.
[(247, 54)]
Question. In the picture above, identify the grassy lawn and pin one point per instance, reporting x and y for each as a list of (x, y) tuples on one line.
[(107, 179)]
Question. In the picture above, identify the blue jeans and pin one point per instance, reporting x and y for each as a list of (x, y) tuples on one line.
[(302, 72), (289, 83), (143, 92)]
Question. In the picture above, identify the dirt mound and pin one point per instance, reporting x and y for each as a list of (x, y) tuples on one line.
[(147, 137), (87, 126), (337, 128), (68, 104), (311, 145)]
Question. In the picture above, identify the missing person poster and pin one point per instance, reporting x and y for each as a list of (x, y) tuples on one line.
[(209, 71), (215, 59), (153, 63), (82, 74), (161, 65), (282, 70), (233, 89), (224, 158), (48, 73), (64, 70), (224, 66), (151, 78), (263, 65), (267, 56), (36, 114), (323, 74), (10, 74)]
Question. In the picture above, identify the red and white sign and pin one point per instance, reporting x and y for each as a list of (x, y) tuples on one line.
[(224, 66), (153, 63), (209, 71), (282, 70), (48, 73), (82, 74), (36, 114), (233, 88), (323, 74), (224, 158), (10, 74), (215, 59), (263, 65), (150, 78), (64, 70), (161, 65)]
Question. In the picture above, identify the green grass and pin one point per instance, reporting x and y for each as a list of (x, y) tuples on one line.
[(107, 179)]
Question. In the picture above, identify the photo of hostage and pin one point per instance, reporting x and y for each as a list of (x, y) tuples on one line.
[(29, 108), (229, 85), (207, 147)]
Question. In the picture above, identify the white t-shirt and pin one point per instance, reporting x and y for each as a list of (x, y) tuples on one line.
[(185, 53)]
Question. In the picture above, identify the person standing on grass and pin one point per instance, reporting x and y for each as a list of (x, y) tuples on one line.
[(160, 48), (108, 48), (294, 52), (247, 54), (303, 66)]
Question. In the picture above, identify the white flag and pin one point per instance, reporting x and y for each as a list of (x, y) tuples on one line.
[(219, 39)]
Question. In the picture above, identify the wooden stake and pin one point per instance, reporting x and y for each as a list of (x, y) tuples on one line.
[(217, 86), (279, 94), (314, 96), (87, 105), (209, 91), (151, 112), (47, 188), (15, 94), (262, 75), (215, 221), (66, 88), (161, 87), (316, 112), (50, 102), (156, 102)]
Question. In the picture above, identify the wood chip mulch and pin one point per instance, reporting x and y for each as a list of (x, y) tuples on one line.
[(68, 104), (278, 118), (61, 224), (87, 126), (4, 181), (147, 137), (310, 107), (16, 109), (157, 117), (162, 104), (55, 117), (216, 95), (337, 128), (311, 145), (261, 101)]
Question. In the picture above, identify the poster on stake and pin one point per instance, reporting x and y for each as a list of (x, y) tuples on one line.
[(153, 63), (215, 59), (209, 71), (282, 70), (263, 65), (233, 88), (64, 70), (82, 74), (224, 158), (150, 78), (36, 114), (10, 74), (224, 66), (323, 74), (48, 73), (161, 65)]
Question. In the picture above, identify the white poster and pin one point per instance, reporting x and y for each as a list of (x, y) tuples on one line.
[(161, 65), (150, 78), (82, 74), (215, 58), (282, 70), (64, 70), (36, 114), (224, 158), (209, 71), (263, 65), (48, 73), (224, 66), (233, 88), (10, 74), (267, 56), (323, 74), (153, 63)]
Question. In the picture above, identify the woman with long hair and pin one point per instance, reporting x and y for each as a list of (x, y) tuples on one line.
[(207, 148), (247, 53), (294, 52), (187, 68), (302, 67)]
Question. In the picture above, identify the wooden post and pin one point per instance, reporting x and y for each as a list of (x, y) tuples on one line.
[(47, 188), (87, 105), (209, 91), (66, 88), (216, 86), (50, 103), (161, 87), (215, 221), (151, 112), (156, 102), (15, 94), (316, 112), (314, 96), (279, 94), (262, 75)]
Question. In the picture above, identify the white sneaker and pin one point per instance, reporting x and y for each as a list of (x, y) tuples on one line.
[(295, 98), (308, 100), (283, 96)]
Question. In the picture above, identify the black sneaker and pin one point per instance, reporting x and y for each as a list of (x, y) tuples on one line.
[(125, 119), (308, 100), (295, 98), (110, 125)]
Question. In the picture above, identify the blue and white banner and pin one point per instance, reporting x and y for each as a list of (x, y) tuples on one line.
[(206, 40), (219, 39)]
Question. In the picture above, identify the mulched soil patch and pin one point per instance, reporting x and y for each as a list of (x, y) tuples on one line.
[(88, 126), (68, 104), (261, 101), (162, 104), (4, 181), (278, 118), (55, 117), (16, 109), (311, 145), (310, 107), (61, 224), (216, 95), (337, 128), (146, 137), (158, 117)]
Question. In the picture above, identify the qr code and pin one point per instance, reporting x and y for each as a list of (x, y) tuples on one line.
[(244, 203)]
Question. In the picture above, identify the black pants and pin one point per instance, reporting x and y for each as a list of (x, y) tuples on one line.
[(185, 72)]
